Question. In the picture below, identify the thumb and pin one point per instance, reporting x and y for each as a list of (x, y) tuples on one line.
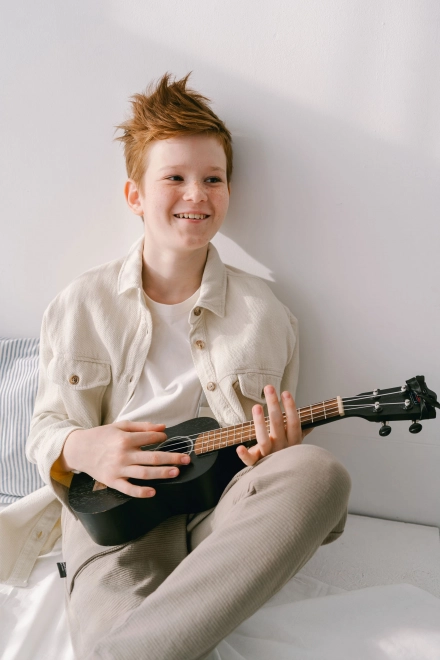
[(248, 458)]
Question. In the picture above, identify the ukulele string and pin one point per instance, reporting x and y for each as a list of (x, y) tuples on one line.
[(371, 396), (247, 428), (371, 405), (307, 417)]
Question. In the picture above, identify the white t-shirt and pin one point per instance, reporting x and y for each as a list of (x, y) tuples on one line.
[(169, 390)]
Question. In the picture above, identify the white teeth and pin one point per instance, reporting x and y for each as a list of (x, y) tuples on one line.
[(193, 216)]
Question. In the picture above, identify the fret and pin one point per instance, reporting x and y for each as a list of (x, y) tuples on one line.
[(239, 433)]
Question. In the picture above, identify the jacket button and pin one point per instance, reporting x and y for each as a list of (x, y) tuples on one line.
[(210, 386), (197, 311), (74, 380), (200, 343)]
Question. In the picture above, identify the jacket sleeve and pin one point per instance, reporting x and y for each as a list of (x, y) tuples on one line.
[(50, 424), (289, 381)]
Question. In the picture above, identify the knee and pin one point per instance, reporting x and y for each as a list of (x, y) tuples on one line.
[(324, 461), (320, 469)]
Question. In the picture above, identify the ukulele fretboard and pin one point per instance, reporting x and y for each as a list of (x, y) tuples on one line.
[(235, 435)]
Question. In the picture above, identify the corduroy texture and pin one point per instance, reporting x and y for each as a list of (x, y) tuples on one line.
[(157, 599), (18, 389)]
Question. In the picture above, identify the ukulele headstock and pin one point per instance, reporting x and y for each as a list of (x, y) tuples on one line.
[(412, 401)]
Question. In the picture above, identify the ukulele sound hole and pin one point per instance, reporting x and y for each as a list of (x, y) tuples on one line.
[(181, 444)]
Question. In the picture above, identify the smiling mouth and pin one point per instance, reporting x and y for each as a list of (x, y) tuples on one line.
[(191, 216)]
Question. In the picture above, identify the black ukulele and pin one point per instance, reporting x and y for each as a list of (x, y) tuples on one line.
[(113, 518)]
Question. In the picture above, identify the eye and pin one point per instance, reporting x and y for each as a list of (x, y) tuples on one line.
[(177, 177)]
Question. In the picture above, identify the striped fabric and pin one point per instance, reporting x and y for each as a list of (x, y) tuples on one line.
[(18, 389)]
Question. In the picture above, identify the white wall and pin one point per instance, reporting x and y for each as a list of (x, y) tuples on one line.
[(334, 108)]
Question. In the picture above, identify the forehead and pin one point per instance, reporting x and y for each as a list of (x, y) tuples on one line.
[(184, 151)]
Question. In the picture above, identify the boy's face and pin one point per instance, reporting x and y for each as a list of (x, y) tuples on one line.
[(184, 175)]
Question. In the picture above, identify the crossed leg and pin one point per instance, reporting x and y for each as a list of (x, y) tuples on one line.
[(270, 520)]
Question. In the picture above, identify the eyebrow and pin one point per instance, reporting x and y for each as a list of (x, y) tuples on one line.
[(177, 167)]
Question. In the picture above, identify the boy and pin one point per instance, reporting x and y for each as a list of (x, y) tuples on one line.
[(142, 343)]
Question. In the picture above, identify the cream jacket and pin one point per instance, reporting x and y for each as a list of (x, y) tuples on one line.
[(95, 338)]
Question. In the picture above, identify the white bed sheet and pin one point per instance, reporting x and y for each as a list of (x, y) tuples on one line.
[(307, 620)]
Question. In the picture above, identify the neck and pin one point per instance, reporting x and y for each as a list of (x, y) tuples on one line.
[(170, 277)]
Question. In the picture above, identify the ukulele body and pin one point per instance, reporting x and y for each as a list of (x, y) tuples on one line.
[(113, 518)]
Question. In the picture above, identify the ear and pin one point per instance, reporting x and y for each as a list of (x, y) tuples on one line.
[(132, 196)]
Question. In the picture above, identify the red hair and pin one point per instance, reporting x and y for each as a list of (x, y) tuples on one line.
[(165, 110)]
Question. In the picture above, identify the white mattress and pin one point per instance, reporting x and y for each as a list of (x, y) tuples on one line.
[(313, 617), (374, 552)]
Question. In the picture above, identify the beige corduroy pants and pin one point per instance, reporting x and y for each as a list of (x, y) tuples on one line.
[(176, 592)]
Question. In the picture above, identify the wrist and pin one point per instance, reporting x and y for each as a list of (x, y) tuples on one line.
[(70, 457)]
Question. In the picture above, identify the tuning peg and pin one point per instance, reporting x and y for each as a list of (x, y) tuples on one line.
[(384, 429), (415, 427)]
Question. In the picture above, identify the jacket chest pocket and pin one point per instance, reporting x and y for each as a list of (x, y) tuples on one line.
[(252, 384), (249, 389), (82, 384)]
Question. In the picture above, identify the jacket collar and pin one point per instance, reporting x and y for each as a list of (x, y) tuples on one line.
[(213, 286)]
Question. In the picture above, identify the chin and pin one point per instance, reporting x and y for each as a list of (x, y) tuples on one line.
[(194, 244)]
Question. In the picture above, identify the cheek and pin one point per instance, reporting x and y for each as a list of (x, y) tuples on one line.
[(222, 200), (164, 198)]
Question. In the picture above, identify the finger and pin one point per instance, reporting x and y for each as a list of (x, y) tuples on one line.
[(148, 472), (277, 429), (159, 458), (293, 423), (142, 438), (261, 434), (128, 425), (249, 456), (307, 431), (126, 487)]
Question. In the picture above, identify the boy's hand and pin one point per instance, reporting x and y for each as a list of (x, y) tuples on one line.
[(111, 454), (279, 436)]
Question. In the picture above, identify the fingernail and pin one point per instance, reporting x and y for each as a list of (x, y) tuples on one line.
[(151, 493), (173, 472), (185, 459)]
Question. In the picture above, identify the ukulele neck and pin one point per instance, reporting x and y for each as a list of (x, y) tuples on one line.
[(319, 413)]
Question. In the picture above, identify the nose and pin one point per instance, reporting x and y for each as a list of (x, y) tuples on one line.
[(195, 192)]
